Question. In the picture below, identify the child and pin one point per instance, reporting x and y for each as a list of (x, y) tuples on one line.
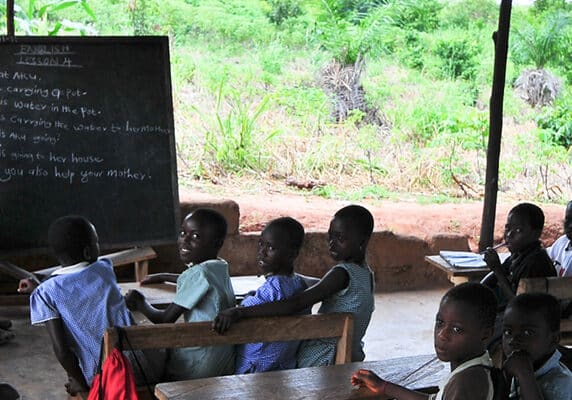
[(463, 325), (202, 291), (531, 331), (278, 247), (347, 287), (79, 302), (561, 251), (528, 258)]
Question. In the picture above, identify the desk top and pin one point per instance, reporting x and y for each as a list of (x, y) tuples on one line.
[(440, 263), (331, 382), (162, 294)]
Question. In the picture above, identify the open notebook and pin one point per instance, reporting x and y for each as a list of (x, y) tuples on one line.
[(463, 259)]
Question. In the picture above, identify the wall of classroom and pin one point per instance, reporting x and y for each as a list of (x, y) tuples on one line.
[(397, 260)]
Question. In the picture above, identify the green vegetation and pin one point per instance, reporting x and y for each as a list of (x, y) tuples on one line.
[(259, 90)]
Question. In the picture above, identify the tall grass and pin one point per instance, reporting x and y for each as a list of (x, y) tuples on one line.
[(248, 100)]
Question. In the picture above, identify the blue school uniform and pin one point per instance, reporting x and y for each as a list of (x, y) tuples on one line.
[(260, 357), (88, 301), (554, 379), (357, 298)]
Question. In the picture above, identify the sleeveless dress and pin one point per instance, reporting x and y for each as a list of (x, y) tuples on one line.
[(357, 298)]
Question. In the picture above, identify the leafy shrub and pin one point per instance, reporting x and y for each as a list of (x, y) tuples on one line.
[(419, 15), (282, 10), (470, 13), (542, 42), (558, 121), (459, 57)]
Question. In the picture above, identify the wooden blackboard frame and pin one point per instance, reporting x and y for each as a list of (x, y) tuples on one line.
[(151, 206)]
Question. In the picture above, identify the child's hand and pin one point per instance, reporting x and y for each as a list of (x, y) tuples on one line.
[(133, 299), (26, 285), (153, 278), (492, 259), (73, 387), (366, 378), (517, 363), (225, 319)]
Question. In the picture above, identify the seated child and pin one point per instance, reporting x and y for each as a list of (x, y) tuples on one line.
[(79, 302), (463, 325), (528, 258), (561, 251), (203, 290), (531, 331), (346, 287), (278, 247)]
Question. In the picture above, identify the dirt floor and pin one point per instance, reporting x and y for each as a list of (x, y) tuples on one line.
[(403, 217)]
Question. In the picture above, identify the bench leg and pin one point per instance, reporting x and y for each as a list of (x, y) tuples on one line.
[(141, 270)]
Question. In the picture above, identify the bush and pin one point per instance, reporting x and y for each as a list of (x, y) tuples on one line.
[(467, 14), (458, 57), (558, 121), (419, 15), (282, 10)]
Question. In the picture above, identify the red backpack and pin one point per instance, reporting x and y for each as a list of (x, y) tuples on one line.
[(114, 380)]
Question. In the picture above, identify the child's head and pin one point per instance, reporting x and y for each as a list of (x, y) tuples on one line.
[(349, 234), (279, 245), (531, 323), (464, 322), (73, 239), (568, 220), (523, 226), (202, 235)]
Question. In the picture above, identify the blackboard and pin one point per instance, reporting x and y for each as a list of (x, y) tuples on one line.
[(86, 127)]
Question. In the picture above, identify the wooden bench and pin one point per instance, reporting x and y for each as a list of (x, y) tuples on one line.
[(561, 288), (138, 256), (251, 330)]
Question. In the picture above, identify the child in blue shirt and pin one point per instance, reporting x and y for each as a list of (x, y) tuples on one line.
[(346, 287), (278, 247), (203, 290), (531, 331), (79, 302)]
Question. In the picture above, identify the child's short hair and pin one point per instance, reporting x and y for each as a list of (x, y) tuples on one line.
[(532, 213), (213, 218), (70, 235), (479, 297), (293, 230), (543, 303), (360, 215)]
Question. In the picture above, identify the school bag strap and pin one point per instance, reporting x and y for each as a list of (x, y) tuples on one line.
[(122, 336), (114, 379), (501, 388)]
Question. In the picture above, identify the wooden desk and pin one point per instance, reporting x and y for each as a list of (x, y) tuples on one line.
[(332, 382), (457, 275), (163, 294)]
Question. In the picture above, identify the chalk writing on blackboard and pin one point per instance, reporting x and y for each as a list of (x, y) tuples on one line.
[(86, 127)]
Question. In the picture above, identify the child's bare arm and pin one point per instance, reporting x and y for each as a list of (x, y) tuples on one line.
[(66, 357), (309, 280), (135, 301), (160, 278), (367, 379), (493, 262), (519, 365), (334, 281)]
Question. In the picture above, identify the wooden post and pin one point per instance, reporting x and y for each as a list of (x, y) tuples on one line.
[(500, 38), (10, 17)]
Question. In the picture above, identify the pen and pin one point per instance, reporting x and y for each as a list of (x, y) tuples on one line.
[(498, 246)]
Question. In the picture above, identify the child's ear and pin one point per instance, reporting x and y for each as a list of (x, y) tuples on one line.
[(537, 233), (555, 338), (87, 254), (486, 334)]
